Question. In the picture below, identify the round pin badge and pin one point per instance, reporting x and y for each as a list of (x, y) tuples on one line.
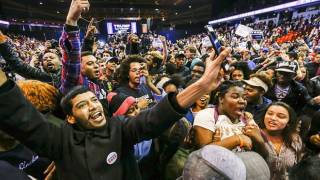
[(112, 158)]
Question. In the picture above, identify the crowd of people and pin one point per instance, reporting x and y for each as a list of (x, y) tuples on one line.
[(143, 107)]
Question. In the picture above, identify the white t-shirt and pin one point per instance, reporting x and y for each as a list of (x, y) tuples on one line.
[(207, 119)]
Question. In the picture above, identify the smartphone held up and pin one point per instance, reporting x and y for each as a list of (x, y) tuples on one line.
[(214, 40)]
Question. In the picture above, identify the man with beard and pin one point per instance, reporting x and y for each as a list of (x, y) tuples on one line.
[(135, 81), (256, 87), (51, 64), (82, 67), (91, 146)]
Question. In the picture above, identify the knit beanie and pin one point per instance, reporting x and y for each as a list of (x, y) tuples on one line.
[(119, 104)]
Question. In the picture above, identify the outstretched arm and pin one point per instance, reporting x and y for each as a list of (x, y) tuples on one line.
[(208, 82), (165, 50), (71, 46), (22, 121), (17, 64)]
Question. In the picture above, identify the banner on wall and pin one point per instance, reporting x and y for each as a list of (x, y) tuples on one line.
[(121, 27)]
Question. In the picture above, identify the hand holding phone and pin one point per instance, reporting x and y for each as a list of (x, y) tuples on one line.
[(214, 40)]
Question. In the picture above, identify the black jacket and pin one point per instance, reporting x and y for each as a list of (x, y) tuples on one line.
[(315, 84), (85, 154), (24, 69), (297, 97), (312, 68)]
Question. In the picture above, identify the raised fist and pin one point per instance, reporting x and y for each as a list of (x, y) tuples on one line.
[(76, 8)]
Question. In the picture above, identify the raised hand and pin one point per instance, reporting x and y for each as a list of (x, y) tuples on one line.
[(77, 7), (91, 30), (162, 38), (253, 132), (211, 76)]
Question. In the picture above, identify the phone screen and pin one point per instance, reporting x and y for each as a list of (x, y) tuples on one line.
[(214, 40)]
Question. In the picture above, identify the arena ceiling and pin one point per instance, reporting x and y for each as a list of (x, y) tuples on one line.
[(167, 11)]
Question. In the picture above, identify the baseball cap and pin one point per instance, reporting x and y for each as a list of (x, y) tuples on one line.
[(214, 162), (119, 104), (257, 82), (286, 66), (265, 49)]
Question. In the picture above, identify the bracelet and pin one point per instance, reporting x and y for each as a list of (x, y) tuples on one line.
[(240, 141)]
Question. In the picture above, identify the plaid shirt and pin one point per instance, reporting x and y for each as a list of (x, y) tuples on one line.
[(71, 63)]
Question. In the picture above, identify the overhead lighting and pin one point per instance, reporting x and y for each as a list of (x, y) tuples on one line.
[(4, 22), (131, 9), (58, 12), (156, 9), (265, 10), (176, 13), (190, 6), (41, 3)]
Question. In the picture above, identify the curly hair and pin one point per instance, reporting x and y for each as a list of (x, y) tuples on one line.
[(125, 67), (157, 57), (42, 96), (242, 66)]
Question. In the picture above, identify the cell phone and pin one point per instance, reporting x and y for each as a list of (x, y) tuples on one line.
[(214, 40)]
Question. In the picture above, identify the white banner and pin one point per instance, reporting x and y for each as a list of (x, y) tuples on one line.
[(243, 31)]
